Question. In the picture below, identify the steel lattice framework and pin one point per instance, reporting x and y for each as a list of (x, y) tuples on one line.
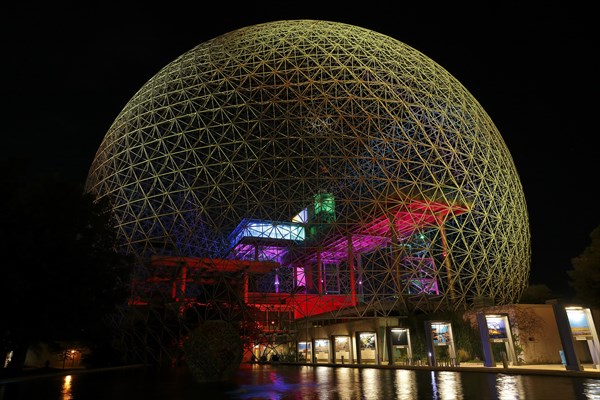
[(353, 175)]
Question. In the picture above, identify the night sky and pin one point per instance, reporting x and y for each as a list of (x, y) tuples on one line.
[(68, 72)]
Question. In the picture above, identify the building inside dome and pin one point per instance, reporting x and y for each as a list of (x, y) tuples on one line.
[(305, 172)]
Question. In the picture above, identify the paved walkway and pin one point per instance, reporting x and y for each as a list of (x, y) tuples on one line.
[(547, 369)]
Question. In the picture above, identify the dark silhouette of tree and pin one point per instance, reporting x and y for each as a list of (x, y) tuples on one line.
[(61, 275), (213, 351), (536, 294), (585, 275)]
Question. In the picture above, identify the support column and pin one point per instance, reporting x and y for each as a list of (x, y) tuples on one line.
[(308, 277), (397, 256), (430, 347), (319, 272), (566, 338), (246, 287), (388, 344), (447, 261), (351, 269), (488, 355)]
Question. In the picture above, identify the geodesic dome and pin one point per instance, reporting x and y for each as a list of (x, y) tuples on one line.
[(352, 161)]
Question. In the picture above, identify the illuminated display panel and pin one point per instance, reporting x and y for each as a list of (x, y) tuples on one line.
[(496, 327), (342, 343), (367, 341), (322, 349), (399, 337), (440, 333), (580, 326)]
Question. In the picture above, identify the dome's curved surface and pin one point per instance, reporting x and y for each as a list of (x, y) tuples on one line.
[(247, 129)]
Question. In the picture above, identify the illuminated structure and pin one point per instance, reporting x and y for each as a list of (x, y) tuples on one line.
[(335, 171)]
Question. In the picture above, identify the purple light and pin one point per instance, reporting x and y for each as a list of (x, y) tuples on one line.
[(263, 252)]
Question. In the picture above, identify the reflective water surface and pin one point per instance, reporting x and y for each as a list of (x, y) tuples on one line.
[(281, 382)]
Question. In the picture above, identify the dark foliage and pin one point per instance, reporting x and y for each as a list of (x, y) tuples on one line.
[(536, 294), (213, 351), (466, 338), (585, 275), (61, 275)]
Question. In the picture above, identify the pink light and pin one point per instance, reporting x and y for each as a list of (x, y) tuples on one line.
[(300, 277)]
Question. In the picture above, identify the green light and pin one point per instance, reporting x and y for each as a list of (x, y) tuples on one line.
[(324, 206)]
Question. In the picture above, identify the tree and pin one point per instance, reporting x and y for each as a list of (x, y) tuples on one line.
[(536, 294), (61, 273), (585, 275), (213, 351)]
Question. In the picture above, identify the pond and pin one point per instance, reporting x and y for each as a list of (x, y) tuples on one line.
[(281, 382)]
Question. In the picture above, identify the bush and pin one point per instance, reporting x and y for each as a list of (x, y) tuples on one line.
[(213, 351), (463, 355)]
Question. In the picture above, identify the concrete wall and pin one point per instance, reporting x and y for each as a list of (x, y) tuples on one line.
[(539, 338), (537, 331)]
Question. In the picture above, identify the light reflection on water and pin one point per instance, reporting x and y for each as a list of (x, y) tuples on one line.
[(369, 384), (509, 387), (406, 384), (67, 388), (592, 390), (326, 383), (283, 382), (342, 382), (448, 384)]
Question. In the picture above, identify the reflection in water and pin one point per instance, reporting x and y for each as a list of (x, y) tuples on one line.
[(281, 382), (509, 387), (370, 385), (591, 389), (67, 388), (344, 382), (269, 383), (325, 377), (406, 385), (434, 386), (449, 385)]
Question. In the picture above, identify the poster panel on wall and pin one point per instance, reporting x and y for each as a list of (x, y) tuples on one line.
[(580, 326), (342, 343), (440, 333), (399, 337), (322, 346), (367, 341), (496, 327)]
